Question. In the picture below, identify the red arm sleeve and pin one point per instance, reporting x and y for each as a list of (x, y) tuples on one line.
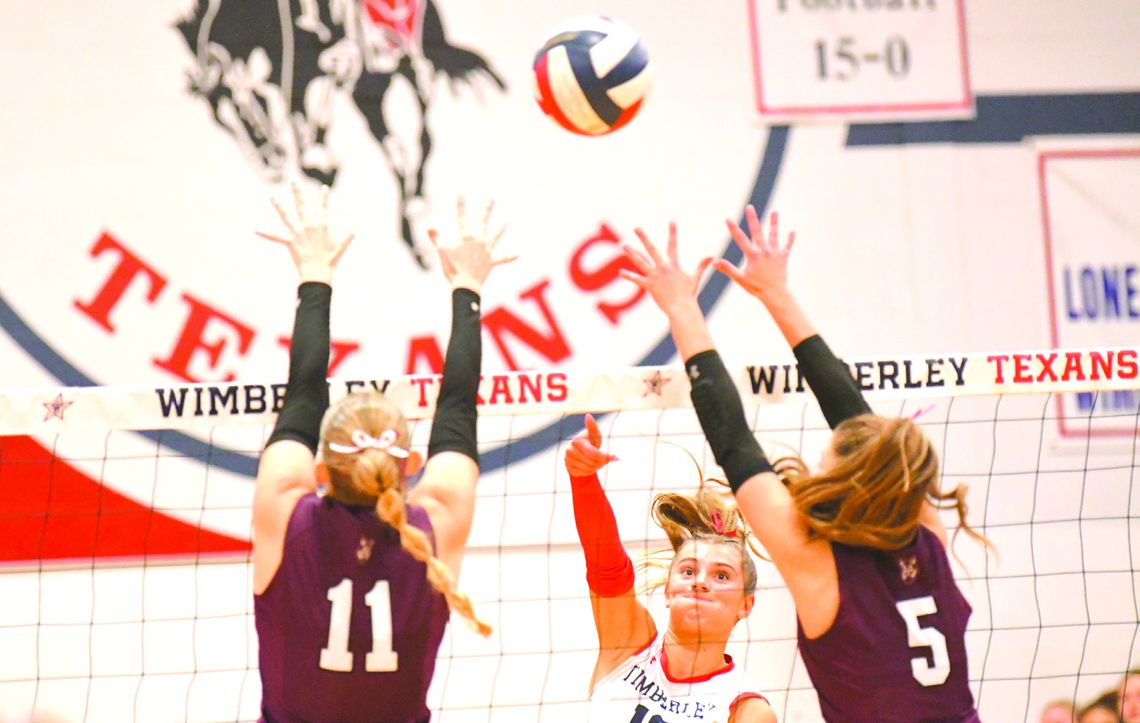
[(609, 571)]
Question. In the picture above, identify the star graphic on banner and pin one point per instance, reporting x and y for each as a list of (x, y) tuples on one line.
[(654, 384), (56, 407)]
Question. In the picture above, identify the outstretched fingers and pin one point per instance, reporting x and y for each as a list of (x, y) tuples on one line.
[(487, 219), (726, 268), (271, 237), (637, 279), (444, 257), (654, 254), (299, 200), (671, 247), (284, 216), (702, 267), (774, 232), (741, 239), (343, 247), (639, 260), (461, 215), (755, 230), (504, 260)]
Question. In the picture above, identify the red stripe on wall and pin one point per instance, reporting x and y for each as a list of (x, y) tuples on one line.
[(52, 511)]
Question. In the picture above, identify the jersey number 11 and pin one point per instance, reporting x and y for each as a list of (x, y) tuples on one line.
[(335, 655)]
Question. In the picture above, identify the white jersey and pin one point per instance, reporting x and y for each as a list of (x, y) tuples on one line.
[(640, 691)]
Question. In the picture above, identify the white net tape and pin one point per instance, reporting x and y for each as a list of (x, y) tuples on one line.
[(96, 625)]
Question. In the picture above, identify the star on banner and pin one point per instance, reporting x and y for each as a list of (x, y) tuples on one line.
[(56, 407), (654, 384)]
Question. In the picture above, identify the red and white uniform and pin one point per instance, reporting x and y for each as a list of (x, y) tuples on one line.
[(640, 691)]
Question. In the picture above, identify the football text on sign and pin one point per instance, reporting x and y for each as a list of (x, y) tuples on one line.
[(849, 59)]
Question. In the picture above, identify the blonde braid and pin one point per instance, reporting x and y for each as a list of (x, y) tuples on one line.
[(390, 508)]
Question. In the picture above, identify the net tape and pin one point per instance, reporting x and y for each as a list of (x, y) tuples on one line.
[(45, 410)]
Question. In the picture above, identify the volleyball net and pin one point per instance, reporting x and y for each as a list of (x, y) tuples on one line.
[(125, 525)]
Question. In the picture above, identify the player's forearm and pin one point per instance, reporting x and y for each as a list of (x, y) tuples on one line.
[(609, 571), (689, 328), (785, 310), (830, 380), (721, 415), (307, 393), (453, 428)]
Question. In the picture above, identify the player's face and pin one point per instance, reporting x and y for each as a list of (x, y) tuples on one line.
[(1130, 699), (827, 459), (705, 591)]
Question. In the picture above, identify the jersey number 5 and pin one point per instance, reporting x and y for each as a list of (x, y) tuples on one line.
[(335, 655), (926, 674)]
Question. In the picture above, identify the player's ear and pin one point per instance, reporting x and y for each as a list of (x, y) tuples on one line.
[(322, 472), (413, 463), (746, 606)]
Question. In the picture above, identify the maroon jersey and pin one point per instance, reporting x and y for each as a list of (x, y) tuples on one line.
[(896, 651), (349, 627)]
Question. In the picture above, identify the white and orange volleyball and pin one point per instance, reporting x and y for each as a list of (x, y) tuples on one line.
[(592, 75)]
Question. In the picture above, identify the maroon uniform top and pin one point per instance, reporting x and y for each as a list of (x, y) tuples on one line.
[(349, 627), (896, 651)]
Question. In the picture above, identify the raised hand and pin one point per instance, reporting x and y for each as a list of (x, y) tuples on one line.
[(314, 251), (671, 288), (584, 456), (765, 270), (467, 263)]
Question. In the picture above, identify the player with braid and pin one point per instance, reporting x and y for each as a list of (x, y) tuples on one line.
[(860, 544), (682, 673), (353, 579)]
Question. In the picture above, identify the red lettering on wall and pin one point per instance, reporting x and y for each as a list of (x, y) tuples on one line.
[(99, 309), (193, 339), (608, 273), (424, 349), (503, 324)]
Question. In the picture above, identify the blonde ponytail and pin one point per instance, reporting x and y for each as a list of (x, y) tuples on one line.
[(390, 508)]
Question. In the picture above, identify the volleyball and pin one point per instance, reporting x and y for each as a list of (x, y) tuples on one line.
[(592, 75)]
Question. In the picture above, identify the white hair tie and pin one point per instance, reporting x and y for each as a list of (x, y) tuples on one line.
[(361, 440)]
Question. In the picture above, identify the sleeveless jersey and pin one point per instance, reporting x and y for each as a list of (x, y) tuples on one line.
[(641, 691), (896, 651), (349, 627)]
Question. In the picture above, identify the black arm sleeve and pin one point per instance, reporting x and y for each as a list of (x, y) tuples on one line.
[(722, 419), (307, 394), (453, 428), (830, 380)]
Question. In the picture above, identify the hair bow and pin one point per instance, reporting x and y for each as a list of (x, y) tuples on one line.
[(361, 440), (718, 525)]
